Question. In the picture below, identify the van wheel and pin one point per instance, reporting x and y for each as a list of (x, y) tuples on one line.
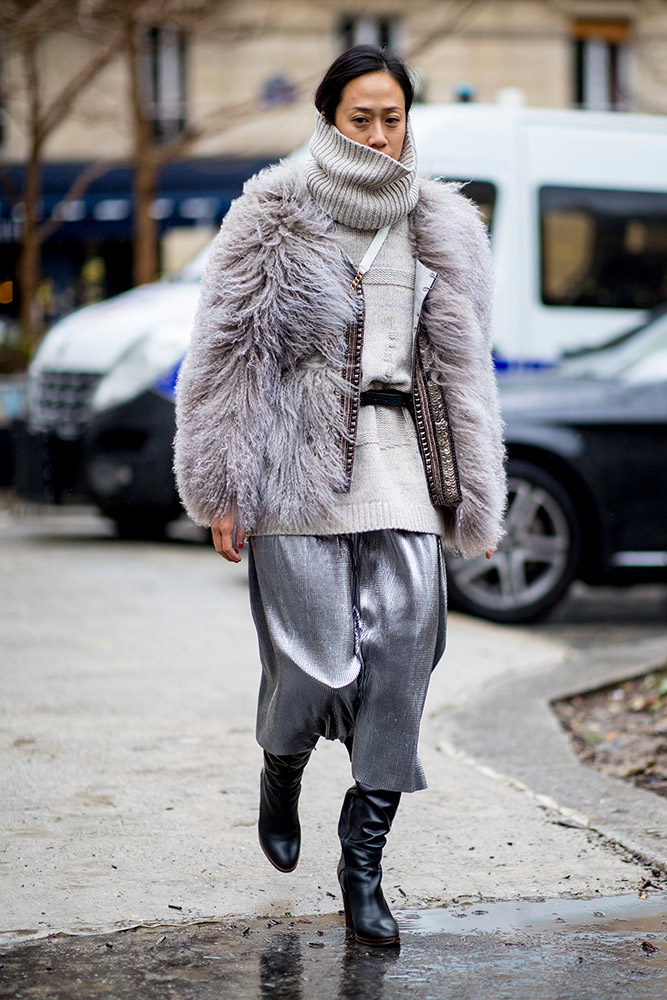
[(535, 562)]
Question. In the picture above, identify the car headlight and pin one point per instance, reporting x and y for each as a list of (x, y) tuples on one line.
[(139, 368)]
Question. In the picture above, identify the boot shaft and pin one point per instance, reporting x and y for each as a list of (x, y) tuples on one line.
[(365, 821), (283, 774)]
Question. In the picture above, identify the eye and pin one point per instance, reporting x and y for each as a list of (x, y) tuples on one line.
[(360, 121)]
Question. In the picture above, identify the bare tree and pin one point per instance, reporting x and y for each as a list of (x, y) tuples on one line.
[(120, 29), (150, 153), (25, 28), (117, 29)]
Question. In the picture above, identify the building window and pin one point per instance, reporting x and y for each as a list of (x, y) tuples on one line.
[(601, 64), (603, 248), (367, 29), (164, 81)]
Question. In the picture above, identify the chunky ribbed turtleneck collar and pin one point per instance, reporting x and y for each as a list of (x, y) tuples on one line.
[(357, 185)]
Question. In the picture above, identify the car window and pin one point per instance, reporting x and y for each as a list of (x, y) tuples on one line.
[(603, 248), (641, 357)]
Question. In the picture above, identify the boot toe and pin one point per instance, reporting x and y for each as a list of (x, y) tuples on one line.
[(366, 909), (380, 929), (282, 850)]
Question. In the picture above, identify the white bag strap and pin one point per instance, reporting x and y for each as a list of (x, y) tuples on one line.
[(370, 255)]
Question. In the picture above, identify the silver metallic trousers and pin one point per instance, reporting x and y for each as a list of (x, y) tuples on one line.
[(350, 628)]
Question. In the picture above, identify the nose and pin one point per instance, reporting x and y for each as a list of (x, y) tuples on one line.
[(377, 139)]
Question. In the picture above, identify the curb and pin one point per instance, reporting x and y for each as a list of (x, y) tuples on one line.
[(510, 733)]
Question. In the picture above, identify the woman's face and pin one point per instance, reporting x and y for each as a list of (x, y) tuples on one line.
[(372, 111)]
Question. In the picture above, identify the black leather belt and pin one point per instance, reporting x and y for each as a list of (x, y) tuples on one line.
[(385, 397)]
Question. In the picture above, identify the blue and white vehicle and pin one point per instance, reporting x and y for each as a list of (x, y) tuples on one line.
[(576, 204)]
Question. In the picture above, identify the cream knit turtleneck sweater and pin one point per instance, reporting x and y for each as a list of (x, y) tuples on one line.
[(363, 189), (359, 186)]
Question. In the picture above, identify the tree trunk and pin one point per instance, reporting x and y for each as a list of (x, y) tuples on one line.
[(31, 244), (29, 269), (43, 116), (145, 235)]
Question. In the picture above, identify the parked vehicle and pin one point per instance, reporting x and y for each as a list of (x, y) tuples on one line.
[(12, 389), (587, 447), (115, 361), (576, 203)]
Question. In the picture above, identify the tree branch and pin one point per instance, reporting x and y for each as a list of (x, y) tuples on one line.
[(448, 27), (29, 57), (62, 103), (216, 121), (33, 15), (76, 189)]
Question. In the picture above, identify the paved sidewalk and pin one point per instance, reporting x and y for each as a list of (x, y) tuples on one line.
[(129, 790), (539, 758)]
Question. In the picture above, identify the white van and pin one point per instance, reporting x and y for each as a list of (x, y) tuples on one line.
[(576, 203), (577, 206)]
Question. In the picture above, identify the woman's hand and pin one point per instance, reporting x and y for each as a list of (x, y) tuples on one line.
[(222, 531)]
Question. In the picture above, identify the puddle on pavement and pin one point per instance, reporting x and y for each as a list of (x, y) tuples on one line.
[(615, 914), (600, 949)]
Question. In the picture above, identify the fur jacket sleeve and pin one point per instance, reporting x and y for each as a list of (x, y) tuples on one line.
[(252, 437), (451, 239)]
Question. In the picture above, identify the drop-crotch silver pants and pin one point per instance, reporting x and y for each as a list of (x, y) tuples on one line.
[(350, 628)]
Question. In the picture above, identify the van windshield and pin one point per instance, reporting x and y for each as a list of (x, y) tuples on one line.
[(638, 358)]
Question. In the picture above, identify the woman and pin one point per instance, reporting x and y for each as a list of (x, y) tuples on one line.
[(338, 406)]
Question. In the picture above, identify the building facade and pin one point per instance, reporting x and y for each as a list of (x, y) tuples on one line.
[(243, 78)]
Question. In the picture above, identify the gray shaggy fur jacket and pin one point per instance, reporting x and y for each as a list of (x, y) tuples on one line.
[(258, 412)]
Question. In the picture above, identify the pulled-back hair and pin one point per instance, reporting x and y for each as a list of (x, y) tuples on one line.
[(353, 63)]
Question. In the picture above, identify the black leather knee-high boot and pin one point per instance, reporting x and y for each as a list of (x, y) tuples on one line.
[(365, 821), (278, 826)]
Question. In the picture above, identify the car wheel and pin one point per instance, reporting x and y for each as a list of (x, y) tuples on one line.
[(535, 562)]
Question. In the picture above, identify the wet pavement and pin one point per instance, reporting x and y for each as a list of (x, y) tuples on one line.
[(559, 948), (127, 847)]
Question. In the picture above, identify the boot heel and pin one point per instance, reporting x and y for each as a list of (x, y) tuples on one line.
[(346, 907), (348, 917)]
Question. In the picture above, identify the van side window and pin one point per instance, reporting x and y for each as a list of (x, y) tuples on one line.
[(603, 248), (483, 193)]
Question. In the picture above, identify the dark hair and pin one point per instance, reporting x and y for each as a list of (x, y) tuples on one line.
[(355, 62)]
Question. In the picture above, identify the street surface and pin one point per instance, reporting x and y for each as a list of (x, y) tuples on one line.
[(129, 793), (602, 949)]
